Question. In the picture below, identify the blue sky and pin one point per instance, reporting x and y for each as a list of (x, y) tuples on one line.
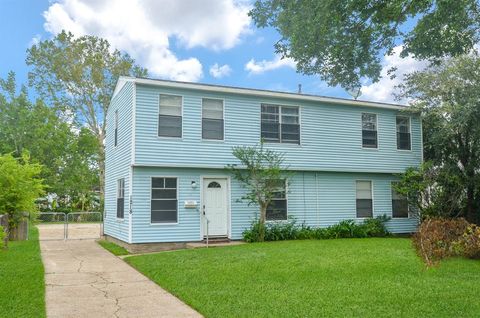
[(171, 45)]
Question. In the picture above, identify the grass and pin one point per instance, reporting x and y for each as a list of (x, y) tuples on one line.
[(113, 248), (22, 285), (374, 277)]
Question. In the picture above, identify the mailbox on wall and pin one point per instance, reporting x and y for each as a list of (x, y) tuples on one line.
[(190, 204)]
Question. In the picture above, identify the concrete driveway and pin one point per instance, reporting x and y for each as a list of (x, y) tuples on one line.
[(84, 280)]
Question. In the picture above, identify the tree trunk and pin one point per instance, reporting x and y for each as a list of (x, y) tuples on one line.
[(471, 215), (263, 217)]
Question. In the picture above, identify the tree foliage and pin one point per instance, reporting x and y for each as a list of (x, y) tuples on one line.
[(20, 186), (67, 155), (343, 40), (448, 97), (260, 172), (79, 74)]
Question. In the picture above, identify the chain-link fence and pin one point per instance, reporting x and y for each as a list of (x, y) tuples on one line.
[(73, 225)]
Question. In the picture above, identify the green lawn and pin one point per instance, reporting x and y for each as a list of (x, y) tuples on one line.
[(329, 278), (113, 248), (22, 286)]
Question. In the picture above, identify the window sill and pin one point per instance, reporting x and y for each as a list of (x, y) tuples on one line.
[(165, 138), (404, 150), (216, 141), (370, 149), (163, 224), (120, 220)]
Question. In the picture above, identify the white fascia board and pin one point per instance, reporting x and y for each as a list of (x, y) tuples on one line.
[(260, 93)]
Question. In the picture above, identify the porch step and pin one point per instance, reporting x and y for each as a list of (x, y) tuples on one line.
[(216, 239)]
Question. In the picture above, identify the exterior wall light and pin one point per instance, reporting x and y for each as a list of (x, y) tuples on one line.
[(194, 185)]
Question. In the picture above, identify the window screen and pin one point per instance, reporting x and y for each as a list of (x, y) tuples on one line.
[(369, 130), (280, 124), (120, 198), (277, 209), (170, 116), (399, 204), (403, 133), (364, 199), (212, 119), (164, 200)]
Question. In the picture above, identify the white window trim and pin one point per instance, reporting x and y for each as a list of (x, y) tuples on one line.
[(178, 202), (373, 199), (286, 198), (116, 201), (158, 117), (286, 144), (201, 115), (361, 131), (409, 131), (391, 201)]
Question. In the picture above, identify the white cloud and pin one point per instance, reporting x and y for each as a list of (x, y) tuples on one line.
[(144, 28), (254, 67), (382, 91), (218, 71)]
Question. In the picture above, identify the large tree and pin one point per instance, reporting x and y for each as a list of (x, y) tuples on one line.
[(79, 74), (448, 97), (67, 155), (343, 40)]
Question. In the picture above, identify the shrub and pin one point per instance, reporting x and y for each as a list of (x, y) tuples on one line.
[(438, 238), (279, 231), (470, 242)]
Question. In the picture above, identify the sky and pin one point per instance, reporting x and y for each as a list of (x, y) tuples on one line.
[(206, 41)]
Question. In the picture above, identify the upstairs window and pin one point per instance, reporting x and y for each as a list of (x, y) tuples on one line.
[(170, 116), (399, 204), (369, 130), (277, 209), (164, 203), (280, 124), (364, 199), (212, 119), (115, 142), (120, 198), (403, 133)]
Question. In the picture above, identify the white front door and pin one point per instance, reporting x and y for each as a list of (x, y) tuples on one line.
[(215, 206)]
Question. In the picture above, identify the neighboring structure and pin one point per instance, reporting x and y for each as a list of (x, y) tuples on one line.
[(168, 142)]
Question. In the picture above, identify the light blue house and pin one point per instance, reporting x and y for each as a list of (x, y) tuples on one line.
[(168, 142)]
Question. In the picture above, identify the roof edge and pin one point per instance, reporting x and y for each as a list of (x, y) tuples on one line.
[(251, 91)]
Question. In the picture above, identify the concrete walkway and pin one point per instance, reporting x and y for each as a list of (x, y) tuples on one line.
[(84, 280)]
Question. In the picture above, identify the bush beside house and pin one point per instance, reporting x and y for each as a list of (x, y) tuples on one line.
[(279, 231)]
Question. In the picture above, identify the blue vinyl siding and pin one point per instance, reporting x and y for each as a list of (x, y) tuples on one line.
[(331, 135), (117, 160), (327, 163), (317, 199)]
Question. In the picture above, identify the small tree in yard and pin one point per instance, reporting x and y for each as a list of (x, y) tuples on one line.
[(19, 188), (259, 172)]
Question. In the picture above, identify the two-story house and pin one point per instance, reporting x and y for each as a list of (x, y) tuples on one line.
[(168, 143)]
